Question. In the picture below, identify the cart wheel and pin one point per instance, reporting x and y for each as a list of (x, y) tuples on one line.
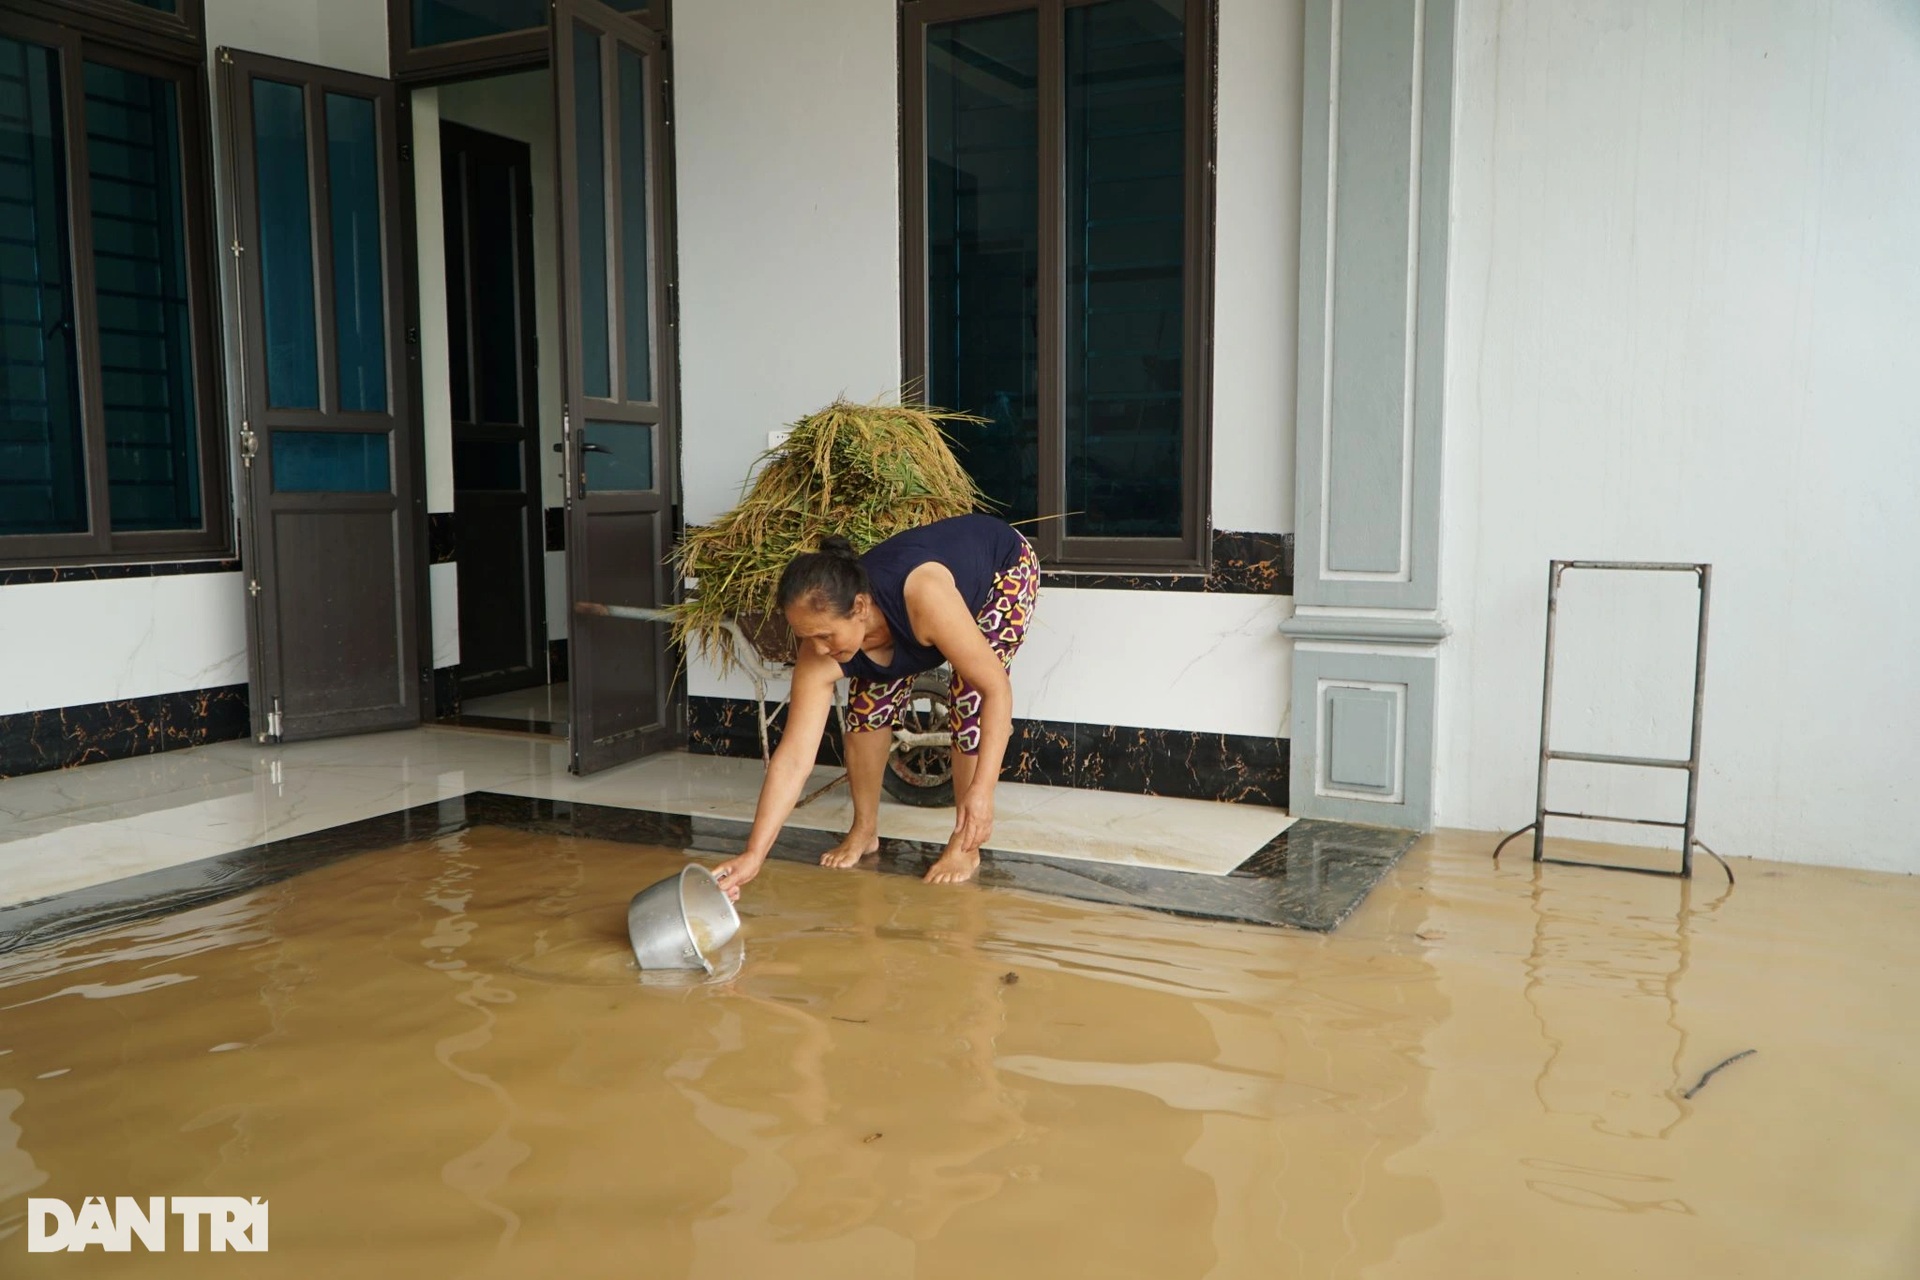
[(923, 775)]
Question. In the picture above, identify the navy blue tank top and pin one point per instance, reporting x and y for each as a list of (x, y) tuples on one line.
[(973, 549)]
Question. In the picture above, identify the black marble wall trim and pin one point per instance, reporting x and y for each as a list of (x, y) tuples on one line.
[(443, 546), (729, 727), (1243, 564), (62, 737), (1253, 563), (1058, 753), (446, 692), (557, 660), (556, 528), (110, 572), (1310, 876)]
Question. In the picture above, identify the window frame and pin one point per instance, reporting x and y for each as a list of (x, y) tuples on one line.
[(481, 56), (181, 36), (100, 31), (1191, 550)]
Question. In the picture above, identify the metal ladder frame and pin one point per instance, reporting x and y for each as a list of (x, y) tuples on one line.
[(1555, 568)]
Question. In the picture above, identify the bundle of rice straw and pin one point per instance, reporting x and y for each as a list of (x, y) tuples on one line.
[(864, 471)]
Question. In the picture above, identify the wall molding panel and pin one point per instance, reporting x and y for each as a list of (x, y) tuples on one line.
[(1374, 187), (1373, 259), (1362, 746)]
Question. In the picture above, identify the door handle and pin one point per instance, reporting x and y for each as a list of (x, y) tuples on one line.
[(588, 447)]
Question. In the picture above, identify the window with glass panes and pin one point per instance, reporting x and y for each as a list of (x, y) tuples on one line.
[(109, 427), (1057, 218), (432, 39)]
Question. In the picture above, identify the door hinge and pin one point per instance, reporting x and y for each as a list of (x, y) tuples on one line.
[(253, 587), (237, 248), (273, 721), (406, 153), (249, 445)]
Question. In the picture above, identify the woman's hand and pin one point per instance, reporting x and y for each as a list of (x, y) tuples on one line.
[(736, 873), (973, 818)]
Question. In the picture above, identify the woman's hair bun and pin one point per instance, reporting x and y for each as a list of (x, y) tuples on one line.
[(836, 545)]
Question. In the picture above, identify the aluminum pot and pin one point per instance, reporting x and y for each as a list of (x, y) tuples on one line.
[(681, 921)]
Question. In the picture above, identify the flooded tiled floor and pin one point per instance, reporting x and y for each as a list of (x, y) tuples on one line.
[(436, 1060)]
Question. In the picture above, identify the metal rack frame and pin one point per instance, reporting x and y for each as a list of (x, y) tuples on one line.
[(1691, 765)]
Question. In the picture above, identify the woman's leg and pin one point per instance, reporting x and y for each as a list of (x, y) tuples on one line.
[(872, 708), (866, 758), (1003, 620)]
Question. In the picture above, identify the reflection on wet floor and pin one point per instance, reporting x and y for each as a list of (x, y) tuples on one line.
[(440, 1060)]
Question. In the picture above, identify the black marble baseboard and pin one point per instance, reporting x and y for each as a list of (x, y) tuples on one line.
[(729, 727), (63, 737), (446, 692), (1311, 876), (112, 572), (1058, 753), (1243, 564), (1150, 762)]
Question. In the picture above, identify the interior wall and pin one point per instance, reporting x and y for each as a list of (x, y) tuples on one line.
[(788, 172), (518, 106), (1685, 288)]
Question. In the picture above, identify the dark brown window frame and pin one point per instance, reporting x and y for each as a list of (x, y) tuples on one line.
[(133, 26), (482, 56), (164, 46), (1191, 550)]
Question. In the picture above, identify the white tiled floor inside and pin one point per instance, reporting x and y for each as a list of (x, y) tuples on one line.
[(72, 828), (542, 702)]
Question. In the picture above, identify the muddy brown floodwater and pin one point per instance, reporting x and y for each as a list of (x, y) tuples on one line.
[(439, 1061)]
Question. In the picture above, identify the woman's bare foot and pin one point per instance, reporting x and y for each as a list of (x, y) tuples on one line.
[(956, 865), (856, 846)]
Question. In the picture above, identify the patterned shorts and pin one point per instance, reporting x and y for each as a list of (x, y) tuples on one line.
[(877, 704)]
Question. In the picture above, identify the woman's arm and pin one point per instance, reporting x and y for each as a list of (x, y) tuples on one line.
[(941, 618), (793, 760)]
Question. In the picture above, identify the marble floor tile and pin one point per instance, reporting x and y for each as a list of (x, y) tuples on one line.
[(1310, 876), (1088, 826), (1203, 836), (56, 793), (542, 702), (117, 819), (41, 861)]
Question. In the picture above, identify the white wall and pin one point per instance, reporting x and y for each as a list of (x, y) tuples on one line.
[(348, 34), (788, 179), (68, 644), (787, 169), (1256, 298), (1684, 294)]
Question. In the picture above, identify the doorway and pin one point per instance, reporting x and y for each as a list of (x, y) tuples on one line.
[(497, 220), (594, 449), (487, 207)]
